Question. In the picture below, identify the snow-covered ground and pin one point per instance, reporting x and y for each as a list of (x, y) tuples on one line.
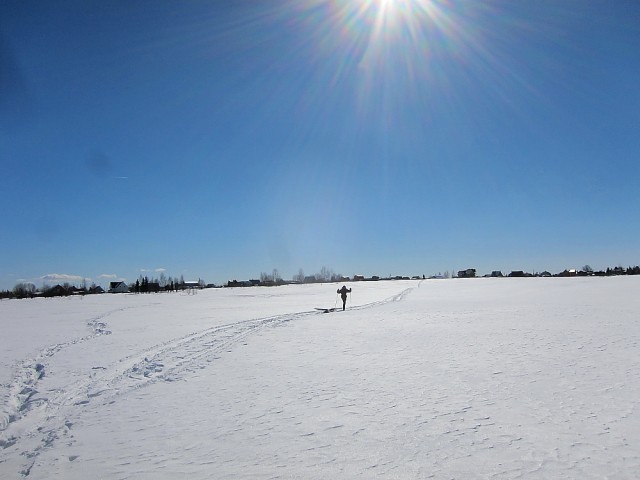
[(486, 378)]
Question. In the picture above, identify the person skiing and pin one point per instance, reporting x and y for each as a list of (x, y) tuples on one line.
[(343, 293)]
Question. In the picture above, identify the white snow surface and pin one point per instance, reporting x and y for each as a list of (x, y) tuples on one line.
[(446, 379)]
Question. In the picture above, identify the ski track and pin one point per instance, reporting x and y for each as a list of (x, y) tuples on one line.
[(168, 361), (17, 401)]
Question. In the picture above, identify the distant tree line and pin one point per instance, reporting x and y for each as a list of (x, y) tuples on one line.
[(324, 275), (586, 271), (144, 284), (274, 278), (611, 271), (29, 290)]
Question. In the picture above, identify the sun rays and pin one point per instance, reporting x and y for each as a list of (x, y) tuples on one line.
[(399, 41)]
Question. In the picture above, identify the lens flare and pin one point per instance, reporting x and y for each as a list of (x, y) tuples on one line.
[(399, 40)]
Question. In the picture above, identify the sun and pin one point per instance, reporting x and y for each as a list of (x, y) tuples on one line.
[(403, 23), (401, 9), (380, 41), (389, 9), (393, 19)]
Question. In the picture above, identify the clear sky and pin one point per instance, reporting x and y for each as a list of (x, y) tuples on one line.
[(219, 139)]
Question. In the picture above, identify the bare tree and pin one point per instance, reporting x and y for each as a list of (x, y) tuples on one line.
[(299, 277), (325, 275), (24, 290)]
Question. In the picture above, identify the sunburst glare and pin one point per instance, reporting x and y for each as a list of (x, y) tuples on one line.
[(395, 26), (397, 48)]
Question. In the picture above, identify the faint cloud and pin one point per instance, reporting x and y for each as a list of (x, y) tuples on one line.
[(62, 277), (153, 270), (111, 277), (107, 276)]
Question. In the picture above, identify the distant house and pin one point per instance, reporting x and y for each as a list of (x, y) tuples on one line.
[(118, 287), (57, 291), (517, 274), (571, 272), (358, 278), (496, 273), (96, 290), (468, 273), (242, 283)]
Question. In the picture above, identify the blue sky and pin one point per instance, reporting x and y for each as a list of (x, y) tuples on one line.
[(220, 139)]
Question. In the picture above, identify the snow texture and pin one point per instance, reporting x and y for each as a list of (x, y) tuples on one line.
[(445, 379)]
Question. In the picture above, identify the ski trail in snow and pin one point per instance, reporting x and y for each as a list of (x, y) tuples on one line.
[(168, 361), (395, 298), (18, 398), (21, 398)]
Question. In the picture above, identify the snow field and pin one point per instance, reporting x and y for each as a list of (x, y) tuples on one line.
[(486, 378)]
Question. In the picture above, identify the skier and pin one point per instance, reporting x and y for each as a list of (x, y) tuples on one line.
[(343, 292)]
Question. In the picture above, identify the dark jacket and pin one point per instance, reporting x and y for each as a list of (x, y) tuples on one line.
[(343, 291)]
